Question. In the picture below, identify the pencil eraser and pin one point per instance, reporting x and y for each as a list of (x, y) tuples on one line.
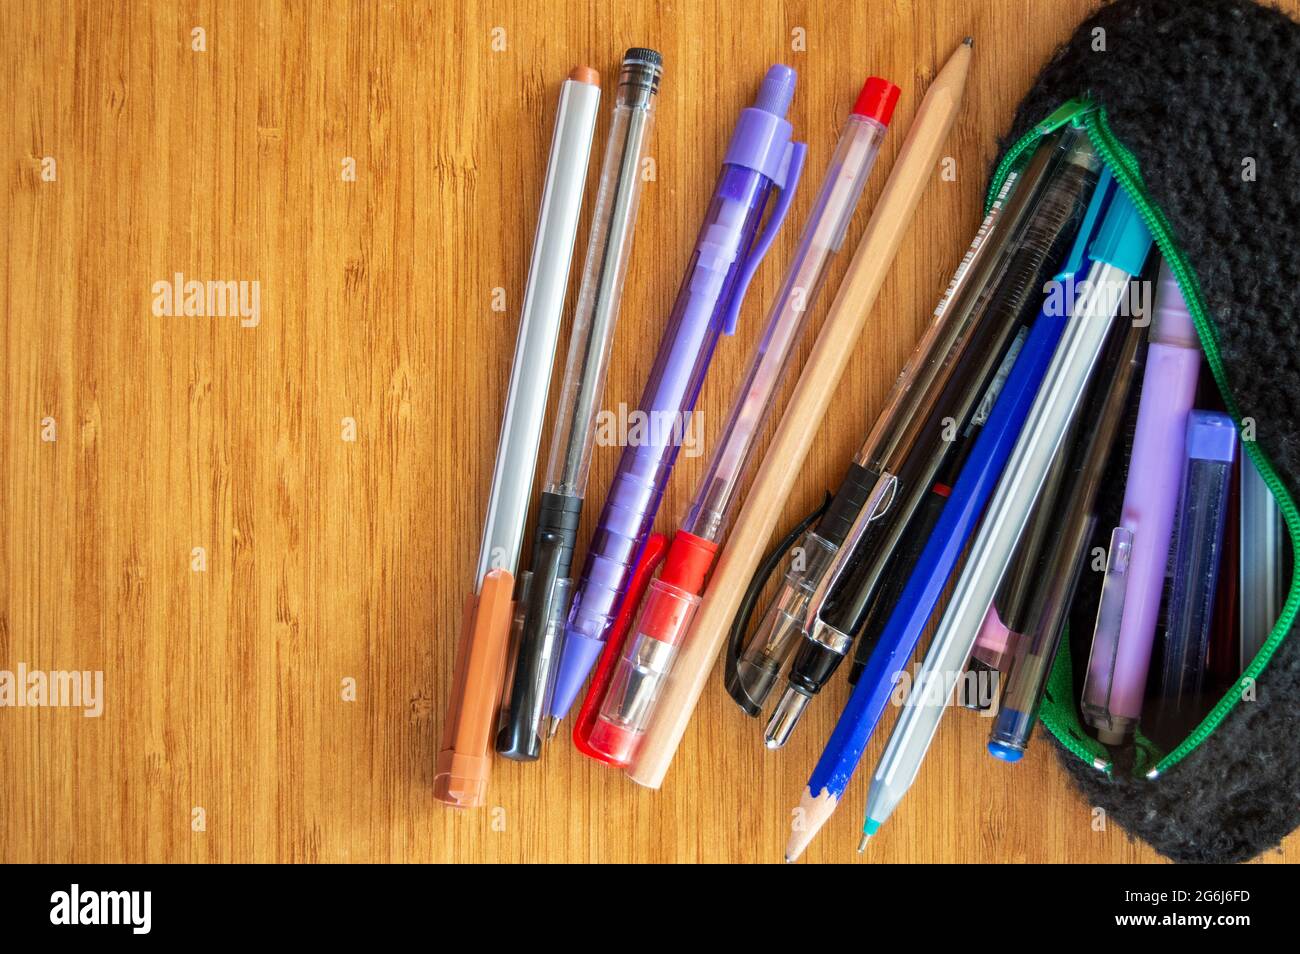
[(877, 100)]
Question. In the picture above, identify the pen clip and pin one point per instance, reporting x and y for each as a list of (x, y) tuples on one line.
[(873, 508), (787, 180), (1099, 676), (656, 547)]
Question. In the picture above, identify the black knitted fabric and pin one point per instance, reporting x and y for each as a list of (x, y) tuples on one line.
[(1193, 88)]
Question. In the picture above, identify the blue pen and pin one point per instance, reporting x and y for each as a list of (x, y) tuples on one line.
[(960, 514)]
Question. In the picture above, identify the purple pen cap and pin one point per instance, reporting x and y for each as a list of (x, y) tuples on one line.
[(762, 134), (777, 91), (1211, 435)]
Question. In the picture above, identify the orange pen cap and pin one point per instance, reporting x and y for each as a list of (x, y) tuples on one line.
[(465, 760)]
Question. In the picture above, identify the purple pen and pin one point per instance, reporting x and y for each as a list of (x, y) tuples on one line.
[(760, 160), (1139, 552)]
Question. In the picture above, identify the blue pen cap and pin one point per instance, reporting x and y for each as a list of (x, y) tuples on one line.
[(1005, 752), (1123, 240)]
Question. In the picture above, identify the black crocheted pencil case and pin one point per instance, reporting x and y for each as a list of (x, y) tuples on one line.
[(1194, 105)]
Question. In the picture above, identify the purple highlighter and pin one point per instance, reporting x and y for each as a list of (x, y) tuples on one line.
[(760, 160), (1139, 552)]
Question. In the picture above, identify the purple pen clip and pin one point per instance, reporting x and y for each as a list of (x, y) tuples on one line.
[(787, 180)]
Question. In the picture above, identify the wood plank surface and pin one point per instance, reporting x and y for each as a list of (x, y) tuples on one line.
[(330, 562)]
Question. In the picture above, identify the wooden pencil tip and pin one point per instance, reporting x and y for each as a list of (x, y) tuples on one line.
[(810, 817), (969, 41)]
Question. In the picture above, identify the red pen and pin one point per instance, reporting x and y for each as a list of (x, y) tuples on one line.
[(642, 573), (640, 670)]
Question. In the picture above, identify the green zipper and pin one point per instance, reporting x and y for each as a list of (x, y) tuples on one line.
[(1124, 166)]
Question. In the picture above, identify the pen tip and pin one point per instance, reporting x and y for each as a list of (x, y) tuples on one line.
[(555, 727), (969, 41), (862, 842), (789, 860)]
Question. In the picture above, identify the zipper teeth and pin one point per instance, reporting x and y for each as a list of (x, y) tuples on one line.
[(1126, 174), (1066, 113), (1125, 168), (1006, 165)]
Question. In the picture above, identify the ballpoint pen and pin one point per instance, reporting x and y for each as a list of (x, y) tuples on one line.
[(862, 491), (760, 159), (1025, 673), (1117, 254), (1116, 677), (543, 592), (809, 401), (1203, 504), (464, 759), (646, 662), (1261, 589), (1006, 621), (840, 606), (925, 584)]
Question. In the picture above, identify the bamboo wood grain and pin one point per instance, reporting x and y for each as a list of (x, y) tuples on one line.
[(912, 172), (393, 300)]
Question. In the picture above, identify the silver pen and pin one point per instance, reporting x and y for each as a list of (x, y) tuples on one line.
[(539, 324)]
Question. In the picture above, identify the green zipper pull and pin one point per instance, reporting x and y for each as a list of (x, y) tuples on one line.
[(1069, 111)]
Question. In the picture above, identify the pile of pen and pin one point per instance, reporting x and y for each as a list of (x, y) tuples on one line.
[(1046, 363), (984, 473), (529, 644)]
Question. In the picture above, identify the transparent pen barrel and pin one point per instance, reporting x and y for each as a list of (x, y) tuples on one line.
[(821, 240), (1053, 195), (643, 671), (609, 249), (785, 621), (527, 695)]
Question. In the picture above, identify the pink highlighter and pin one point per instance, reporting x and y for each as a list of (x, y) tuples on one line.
[(1139, 548)]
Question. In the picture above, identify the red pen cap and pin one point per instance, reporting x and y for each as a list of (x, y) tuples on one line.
[(689, 559), (877, 100)]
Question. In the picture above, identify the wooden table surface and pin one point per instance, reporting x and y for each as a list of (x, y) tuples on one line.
[(327, 562)]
